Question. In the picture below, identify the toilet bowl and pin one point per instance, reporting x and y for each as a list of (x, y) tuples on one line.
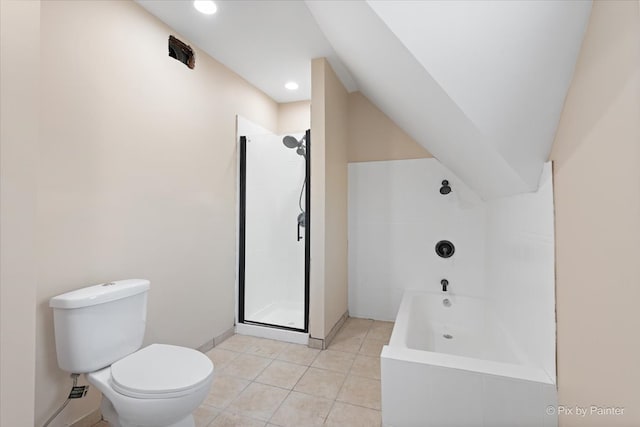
[(158, 386), (99, 332)]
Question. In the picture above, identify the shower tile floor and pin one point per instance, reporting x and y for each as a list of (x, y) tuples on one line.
[(260, 382)]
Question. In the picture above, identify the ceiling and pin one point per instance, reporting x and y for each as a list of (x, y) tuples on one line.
[(480, 84), (268, 43)]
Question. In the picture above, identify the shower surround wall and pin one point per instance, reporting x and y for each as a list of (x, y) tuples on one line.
[(504, 250)]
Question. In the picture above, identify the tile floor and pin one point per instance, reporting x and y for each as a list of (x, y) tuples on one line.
[(260, 382)]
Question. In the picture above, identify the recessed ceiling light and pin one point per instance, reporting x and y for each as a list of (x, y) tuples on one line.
[(291, 85), (205, 6)]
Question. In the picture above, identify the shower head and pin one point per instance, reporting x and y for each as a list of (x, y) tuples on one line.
[(445, 189), (291, 142)]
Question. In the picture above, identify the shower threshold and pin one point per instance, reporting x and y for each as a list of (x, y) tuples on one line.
[(273, 333), (280, 314)]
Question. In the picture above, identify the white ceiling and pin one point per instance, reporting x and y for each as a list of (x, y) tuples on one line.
[(480, 84), (268, 43), (506, 64)]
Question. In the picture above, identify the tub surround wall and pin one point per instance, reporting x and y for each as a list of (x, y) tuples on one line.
[(499, 367), (520, 270), (396, 217), (504, 249), (137, 170)]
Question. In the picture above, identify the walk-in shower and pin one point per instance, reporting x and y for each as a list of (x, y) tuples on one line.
[(274, 231)]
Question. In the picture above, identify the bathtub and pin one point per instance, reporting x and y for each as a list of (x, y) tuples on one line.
[(454, 365)]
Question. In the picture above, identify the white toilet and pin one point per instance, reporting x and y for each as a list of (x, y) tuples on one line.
[(99, 331)]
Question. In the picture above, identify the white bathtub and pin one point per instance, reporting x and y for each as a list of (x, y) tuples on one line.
[(478, 377)]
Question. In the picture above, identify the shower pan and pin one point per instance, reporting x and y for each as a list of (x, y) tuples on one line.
[(274, 231)]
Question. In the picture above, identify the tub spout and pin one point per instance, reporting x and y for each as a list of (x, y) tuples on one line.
[(445, 284)]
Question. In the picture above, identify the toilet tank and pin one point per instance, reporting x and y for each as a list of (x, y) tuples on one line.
[(97, 325)]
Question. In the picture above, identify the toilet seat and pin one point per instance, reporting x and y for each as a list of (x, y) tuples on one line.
[(160, 371)]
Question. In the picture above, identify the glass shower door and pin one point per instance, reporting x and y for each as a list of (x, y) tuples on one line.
[(274, 231)]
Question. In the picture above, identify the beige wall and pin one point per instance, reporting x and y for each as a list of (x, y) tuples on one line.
[(346, 127), (137, 172), (19, 108), (137, 179), (336, 141), (294, 117), (318, 189), (374, 136), (329, 135), (597, 198)]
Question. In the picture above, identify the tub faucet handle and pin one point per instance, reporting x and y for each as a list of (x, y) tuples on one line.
[(445, 284)]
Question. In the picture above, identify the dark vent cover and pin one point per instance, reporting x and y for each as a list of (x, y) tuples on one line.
[(182, 52)]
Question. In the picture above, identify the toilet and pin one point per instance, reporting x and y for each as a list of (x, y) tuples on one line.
[(99, 332)]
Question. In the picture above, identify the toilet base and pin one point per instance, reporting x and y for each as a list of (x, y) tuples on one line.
[(110, 415)]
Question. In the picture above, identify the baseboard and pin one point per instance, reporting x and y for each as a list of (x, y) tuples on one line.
[(224, 336), (216, 340), (316, 343), (323, 344), (88, 420), (206, 346), (331, 335)]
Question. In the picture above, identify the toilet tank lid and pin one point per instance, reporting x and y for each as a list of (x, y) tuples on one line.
[(99, 294)]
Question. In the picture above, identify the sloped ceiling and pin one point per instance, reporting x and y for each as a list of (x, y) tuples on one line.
[(480, 84)]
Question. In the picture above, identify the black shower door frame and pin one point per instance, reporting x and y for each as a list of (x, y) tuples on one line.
[(242, 236)]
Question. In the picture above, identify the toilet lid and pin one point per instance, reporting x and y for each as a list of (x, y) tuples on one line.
[(160, 371)]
